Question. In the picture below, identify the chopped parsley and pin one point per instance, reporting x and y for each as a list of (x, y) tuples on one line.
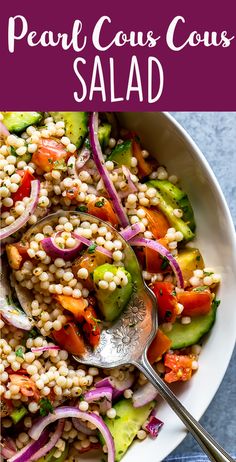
[(19, 353), (198, 258), (208, 273), (82, 208), (100, 203), (164, 263), (173, 293), (45, 407), (215, 303), (92, 248), (200, 289), (168, 314), (33, 333)]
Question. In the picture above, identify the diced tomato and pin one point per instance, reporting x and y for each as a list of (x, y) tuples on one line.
[(141, 256), (195, 303), (158, 347), (144, 167), (17, 254), (9, 370), (91, 327), (70, 338), (50, 155), (157, 222), (83, 314), (25, 186), (166, 301), (90, 261), (72, 193), (155, 263), (180, 367), (27, 385), (74, 305), (102, 208)]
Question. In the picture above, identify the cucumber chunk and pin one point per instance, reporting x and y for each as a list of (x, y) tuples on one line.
[(111, 304), (122, 153), (177, 223), (104, 132), (126, 424), (76, 125), (177, 199), (184, 335), (17, 121), (18, 414)]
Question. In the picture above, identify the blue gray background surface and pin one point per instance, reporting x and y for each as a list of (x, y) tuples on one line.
[(215, 134)]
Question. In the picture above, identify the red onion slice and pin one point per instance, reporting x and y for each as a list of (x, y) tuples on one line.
[(45, 348), (15, 317), (22, 220), (117, 386), (101, 394), (81, 427), (8, 447), (154, 425), (65, 412), (143, 242), (87, 242), (131, 188), (3, 131), (52, 441), (83, 157), (131, 231), (51, 249), (144, 395), (99, 161), (26, 454)]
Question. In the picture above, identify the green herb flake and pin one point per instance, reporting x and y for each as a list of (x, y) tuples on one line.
[(19, 353), (45, 407), (168, 314), (82, 208), (173, 293), (198, 258), (92, 248), (100, 203), (200, 289), (208, 273), (33, 333), (164, 263), (117, 417), (216, 303)]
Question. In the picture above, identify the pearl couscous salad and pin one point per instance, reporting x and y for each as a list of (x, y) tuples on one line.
[(65, 277)]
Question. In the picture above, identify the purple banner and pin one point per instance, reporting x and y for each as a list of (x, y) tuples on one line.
[(125, 55)]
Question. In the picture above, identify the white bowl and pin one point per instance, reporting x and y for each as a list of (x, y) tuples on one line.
[(174, 148)]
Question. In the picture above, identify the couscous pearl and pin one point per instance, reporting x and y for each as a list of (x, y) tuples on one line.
[(83, 406), (207, 280), (185, 320), (82, 273), (117, 255), (128, 393), (194, 281), (141, 435), (59, 262), (33, 407), (103, 285)]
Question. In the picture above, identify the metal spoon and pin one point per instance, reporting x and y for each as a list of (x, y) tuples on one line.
[(128, 339)]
